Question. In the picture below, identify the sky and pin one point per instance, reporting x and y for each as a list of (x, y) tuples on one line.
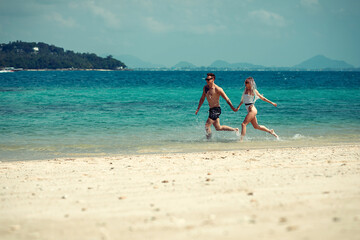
[(277, 33)]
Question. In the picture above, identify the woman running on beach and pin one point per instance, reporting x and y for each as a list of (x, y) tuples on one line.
[(249, 97)]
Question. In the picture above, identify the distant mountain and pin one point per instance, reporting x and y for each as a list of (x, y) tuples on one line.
[(316, 63), (183, 65), (322, 62), (220, 64), (224, 64), (134, 62)]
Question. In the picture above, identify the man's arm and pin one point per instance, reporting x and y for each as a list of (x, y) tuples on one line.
[(201, 101), (224, 96)]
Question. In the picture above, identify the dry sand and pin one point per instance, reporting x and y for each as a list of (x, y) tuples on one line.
[(290, 193)]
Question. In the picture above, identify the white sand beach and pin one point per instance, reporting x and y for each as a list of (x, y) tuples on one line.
[(279, 193)]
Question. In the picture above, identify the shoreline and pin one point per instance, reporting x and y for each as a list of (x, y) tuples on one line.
[(172, 148), (281, 193)]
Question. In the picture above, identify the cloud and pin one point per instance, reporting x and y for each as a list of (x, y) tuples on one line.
[(110, 19), (267, 18), (309, 3), (69, 22), (204, 29), (155, 26)]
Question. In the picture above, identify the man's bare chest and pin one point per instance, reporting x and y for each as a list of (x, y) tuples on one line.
[(211, 93)]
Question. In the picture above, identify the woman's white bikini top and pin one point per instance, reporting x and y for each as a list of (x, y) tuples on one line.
[(249, 99)]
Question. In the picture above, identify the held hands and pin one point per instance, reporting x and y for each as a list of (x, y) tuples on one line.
[(237, 109)]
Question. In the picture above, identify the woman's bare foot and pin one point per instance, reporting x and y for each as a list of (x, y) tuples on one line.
[(272, 132)]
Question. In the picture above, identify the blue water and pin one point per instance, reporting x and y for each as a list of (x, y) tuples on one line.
[(55, 114)]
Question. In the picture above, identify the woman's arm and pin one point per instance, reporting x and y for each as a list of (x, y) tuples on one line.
[(264, 98), (237, 109)]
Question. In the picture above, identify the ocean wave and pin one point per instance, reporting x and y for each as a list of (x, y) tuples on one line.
[(298, 136)]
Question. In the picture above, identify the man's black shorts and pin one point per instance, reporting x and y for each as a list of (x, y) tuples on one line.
[(214, 113)]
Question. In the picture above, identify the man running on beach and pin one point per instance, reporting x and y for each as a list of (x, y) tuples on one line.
[(212, 92)]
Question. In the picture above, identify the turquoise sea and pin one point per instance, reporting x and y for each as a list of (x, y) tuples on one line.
[(88, 113)]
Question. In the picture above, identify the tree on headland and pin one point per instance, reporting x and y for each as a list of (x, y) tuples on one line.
[(31, 55)]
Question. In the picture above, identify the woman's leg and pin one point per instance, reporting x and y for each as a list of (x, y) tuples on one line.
[(255, 124), (249, 117)]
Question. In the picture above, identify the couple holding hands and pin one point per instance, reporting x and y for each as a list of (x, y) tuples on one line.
[(212, 93)]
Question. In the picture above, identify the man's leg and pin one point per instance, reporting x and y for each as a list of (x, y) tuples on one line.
[(218, 127), (208, 124)]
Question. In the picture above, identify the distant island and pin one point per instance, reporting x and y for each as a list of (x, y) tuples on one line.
[(31, 55)]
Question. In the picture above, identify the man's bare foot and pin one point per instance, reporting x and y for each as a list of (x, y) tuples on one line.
[(237, 132), (272, 132)]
